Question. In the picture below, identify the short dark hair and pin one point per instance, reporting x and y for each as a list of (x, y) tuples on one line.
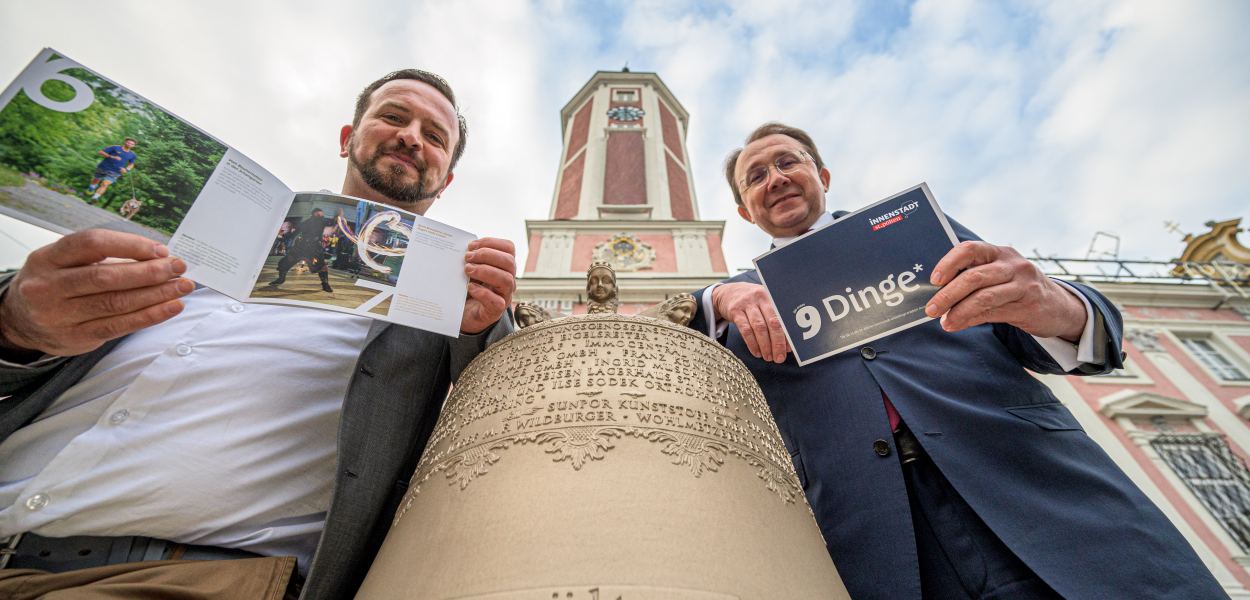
[(130, 139), (765, 130), (435, 81)]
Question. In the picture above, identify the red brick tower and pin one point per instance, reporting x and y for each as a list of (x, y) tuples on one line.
[(624, 194)]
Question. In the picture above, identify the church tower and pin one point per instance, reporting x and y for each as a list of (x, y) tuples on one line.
[(624, 194)]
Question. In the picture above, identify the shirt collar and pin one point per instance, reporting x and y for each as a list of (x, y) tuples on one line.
[(824, 220)]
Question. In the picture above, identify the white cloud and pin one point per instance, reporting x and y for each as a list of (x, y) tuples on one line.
[(1036, 123)]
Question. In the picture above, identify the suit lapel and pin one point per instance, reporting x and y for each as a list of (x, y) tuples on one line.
[(374, 331)]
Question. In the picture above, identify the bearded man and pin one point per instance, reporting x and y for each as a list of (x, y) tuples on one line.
[(140, 435)]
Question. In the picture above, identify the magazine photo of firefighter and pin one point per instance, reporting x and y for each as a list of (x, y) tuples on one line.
[(337, 251)]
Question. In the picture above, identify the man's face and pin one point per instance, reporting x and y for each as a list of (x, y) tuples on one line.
[(402, 147), (128, 144), (784, 205), (318, 213), (600, 285)]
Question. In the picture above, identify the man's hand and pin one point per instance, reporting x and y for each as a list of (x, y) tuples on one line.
[(984, 283), (490, 264), (748, 307), (66, 300)]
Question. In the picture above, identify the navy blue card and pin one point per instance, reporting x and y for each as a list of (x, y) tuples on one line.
[(861, 278)]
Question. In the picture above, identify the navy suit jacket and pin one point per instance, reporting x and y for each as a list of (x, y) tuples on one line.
[(1007, 445)]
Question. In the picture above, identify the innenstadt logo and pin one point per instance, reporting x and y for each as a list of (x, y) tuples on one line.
[(892, 217)]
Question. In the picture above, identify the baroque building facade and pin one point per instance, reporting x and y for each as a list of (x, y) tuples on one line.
[(1177, 418)]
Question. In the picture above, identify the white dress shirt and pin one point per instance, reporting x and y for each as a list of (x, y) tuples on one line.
[(217, 428), (1068, 355)]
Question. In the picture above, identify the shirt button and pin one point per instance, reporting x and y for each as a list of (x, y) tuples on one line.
[(119, 417), (236, 307), (868, 353), (182, 349), (38, 501), (881, 447)]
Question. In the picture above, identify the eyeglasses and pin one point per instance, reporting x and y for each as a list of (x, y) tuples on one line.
[(786, 163)]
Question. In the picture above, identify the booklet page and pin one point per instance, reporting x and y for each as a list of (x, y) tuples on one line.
[(360, 257), (863, 277), (228, 230), (79, 151)]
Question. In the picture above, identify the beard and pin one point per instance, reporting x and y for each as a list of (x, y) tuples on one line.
[(390, 181)]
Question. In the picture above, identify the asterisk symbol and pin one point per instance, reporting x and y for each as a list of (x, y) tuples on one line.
[(917, 267)]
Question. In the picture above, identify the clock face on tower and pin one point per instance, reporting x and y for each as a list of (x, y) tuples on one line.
[(625, 113)]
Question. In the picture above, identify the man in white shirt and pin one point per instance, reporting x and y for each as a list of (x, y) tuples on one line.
[(148, 420), (936, 466)]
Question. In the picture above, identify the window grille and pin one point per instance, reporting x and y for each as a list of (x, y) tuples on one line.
[(1214, 474)]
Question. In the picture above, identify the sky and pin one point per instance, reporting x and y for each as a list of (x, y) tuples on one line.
[(1036, 124)]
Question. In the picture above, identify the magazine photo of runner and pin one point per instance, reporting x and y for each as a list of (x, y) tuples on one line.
[(78, 150), (117, 161)]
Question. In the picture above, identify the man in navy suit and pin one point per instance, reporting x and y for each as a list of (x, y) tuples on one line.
[(936, 466)]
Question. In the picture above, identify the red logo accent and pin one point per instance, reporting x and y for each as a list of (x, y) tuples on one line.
[(887, 223)]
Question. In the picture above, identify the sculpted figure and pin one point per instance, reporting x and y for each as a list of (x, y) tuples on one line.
[(679, 309), (528, 313), (601, 288)]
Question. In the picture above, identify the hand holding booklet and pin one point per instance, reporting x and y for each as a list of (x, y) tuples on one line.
[(78, 150), (861, 278)]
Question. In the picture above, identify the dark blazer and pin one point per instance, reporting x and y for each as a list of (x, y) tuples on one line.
[(392, 404), (1014, 453)]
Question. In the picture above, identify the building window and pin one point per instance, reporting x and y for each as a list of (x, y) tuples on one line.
[(1162, 424), (556, 306), (625, 95), (1214, 359), (1215, 476)]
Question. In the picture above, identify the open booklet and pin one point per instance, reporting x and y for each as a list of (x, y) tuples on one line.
[(78, 150)]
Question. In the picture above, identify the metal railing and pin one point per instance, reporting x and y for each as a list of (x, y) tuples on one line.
[(1229, 280)]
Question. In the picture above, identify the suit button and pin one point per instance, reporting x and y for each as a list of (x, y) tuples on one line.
[(881, 447), (868, 353)]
